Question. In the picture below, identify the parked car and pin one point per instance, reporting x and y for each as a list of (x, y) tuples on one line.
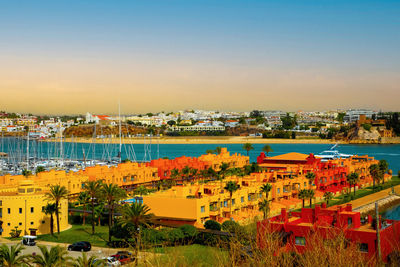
[(29, 240), (109, 262), (123, 258), (124, 252), (80, 246)]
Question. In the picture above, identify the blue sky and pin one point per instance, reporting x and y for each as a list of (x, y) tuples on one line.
[(228, 49)]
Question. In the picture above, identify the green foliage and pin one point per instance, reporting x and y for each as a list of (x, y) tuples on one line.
[(267, 149), (26, 173), (367, 126), (288, 122), (10, 255), (175, 235), (340, 117), (212, 225), (40, 169), (277, 134), (15, 233), (189, 231), (230, 226)]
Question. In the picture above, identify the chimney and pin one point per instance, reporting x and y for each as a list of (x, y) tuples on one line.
[(349, 207), (284, 215)]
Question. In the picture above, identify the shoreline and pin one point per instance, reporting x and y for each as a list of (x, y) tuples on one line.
[(198, 140)]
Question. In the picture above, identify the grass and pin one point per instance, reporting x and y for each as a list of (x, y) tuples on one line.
[(191, 255), (80, 233)]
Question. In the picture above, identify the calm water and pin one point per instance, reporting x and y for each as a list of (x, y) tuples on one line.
[(393, 213), (140, 152)]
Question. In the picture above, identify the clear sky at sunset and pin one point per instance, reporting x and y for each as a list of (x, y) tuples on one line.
[(78, 56)]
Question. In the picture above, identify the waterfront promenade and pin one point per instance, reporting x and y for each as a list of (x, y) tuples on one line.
[(361, 204)]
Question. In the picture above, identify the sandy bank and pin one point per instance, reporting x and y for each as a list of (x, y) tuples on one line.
[(198, 140)]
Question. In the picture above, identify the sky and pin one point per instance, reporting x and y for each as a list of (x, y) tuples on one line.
[(73, 57)]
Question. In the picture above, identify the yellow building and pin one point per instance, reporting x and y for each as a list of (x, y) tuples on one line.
[(216, 160), (22, 206)]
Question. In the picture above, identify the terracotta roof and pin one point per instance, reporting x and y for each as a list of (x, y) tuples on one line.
[(290, 156)]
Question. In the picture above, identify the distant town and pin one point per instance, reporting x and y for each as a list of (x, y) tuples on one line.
[(354, 125)]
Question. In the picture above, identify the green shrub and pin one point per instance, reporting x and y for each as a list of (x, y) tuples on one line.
[(152, 236), (15, 233), (212, 225), (189, 231), (175, 235), (230, 226), (367, 126)]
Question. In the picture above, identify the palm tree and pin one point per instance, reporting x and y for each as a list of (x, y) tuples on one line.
[(50, 209), (112, 194), (375, 172), (84, 261), (328, 196), (223, 168), (56, 194), (174, 173), (186, 172), (93, 188), (267, 149), (83, 199), (57, 256), (218, 150), (352, 179), (9, 255), (266, 188), (264, 207), (141, 191), (303, 195), (39, 169), (133, 216), (26, 172), (311, 177), (231, 187), (310, 195), (248, 147), (383, 166)]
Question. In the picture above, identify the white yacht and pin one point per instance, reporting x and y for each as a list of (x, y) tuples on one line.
[(332, 154)]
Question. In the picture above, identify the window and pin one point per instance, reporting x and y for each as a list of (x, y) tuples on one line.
[(20, 210), (300, 241), (279, 190), (31, 223), (249, 198), (1, 212), (124, 179), (1, 202), (305, 184), (32, 209), (364, 247), (42, 208), (233, 202), (242, 199), (225, 203), (203, 209), (8, 210), (20, 223), (8, 224), (43, 222), (349, 221)]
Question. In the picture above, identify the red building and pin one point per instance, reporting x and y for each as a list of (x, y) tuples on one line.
[(329, 176), (165, 166), (298, 227)]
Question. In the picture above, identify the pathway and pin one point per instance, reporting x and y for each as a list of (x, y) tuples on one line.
[(373, 197)]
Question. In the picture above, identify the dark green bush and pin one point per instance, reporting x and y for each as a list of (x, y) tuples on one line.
[(212, 225), (175, 236)]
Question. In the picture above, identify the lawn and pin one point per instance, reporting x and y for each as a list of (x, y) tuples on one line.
[(80, 233), (190, 255)]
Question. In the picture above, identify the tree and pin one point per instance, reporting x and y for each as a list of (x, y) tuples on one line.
[(267, 149), (57, 256), (212, 225), (93, 188), (111, 194), (83, 199), (223, 169), (56, 194), (174, 173), (141, 191), (352, 180), (303, 195), (311, 177), (264, 207), (50, 209), (231, 187), (248, 147), (376, 173), (266, 188), (383, 166), (134, 216), (39, 169), (288, 122), (84, 261), (218, 150), (26, 172), (9, 256), (328, 196), (310, 195)]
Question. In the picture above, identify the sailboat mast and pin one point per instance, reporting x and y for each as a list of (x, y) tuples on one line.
[(27, 151), (120, 134)]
